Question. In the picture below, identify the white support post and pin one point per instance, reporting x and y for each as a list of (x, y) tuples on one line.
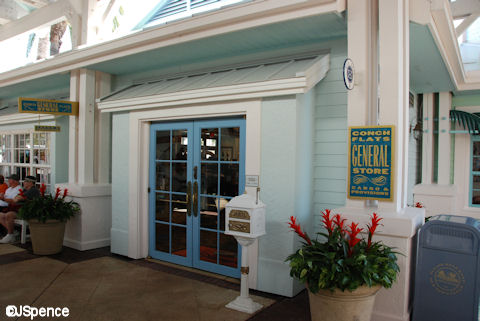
[(394, 88), (103, 125), (73, 130), (360, 97), (400, 222), (445, 103), (427, 145), (86, 124)]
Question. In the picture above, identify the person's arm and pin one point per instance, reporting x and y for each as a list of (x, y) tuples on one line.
[(11, 200)]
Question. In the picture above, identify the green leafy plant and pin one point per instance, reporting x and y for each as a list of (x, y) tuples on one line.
[(344, 260), (49, 207)]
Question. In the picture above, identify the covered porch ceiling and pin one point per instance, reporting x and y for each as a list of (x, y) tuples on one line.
[(305, 33)]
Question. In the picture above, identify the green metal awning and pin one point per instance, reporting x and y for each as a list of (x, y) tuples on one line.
[(469, 121)]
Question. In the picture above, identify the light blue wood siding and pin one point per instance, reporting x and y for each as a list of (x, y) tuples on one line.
[(330, 141)]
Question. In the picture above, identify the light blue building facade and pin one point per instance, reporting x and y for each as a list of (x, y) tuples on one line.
[(175, 116)]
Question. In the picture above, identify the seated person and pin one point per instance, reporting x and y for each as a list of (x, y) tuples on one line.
[(10, 199), (3, 189)]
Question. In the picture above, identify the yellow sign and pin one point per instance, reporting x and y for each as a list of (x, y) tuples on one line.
[(42, 128), (371, 163), (47, 106)]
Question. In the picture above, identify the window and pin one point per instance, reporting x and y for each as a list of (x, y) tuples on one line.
[(475, 172), (26, 153), (177, 9)]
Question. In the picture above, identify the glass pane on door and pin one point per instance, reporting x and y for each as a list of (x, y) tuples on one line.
[(219, 176), (170, 174)]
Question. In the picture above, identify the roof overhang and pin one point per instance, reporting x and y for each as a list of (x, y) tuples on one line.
[(437, 16), (240, 17), (294, 76)]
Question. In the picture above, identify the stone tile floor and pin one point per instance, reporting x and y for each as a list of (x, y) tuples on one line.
[(97, 285)]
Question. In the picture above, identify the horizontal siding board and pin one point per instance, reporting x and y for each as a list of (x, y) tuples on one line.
[(331, 123), (331, 148), (330, 172), (334, 136), (329, 111), (322, 160), (330, 87), (332, 99), (319, 207), (329, 185), (332, 197)]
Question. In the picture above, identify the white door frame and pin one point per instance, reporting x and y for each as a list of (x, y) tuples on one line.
[(139, 124)]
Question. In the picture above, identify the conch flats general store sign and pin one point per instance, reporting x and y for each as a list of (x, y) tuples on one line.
[(371, 162), (47, 106)]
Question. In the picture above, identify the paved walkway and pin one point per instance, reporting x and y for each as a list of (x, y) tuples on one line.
[(97, 285)]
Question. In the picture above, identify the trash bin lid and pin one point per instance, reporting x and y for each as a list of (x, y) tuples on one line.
[(465, 220)]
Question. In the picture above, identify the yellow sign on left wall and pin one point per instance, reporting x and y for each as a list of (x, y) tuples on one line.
[(47, 106)]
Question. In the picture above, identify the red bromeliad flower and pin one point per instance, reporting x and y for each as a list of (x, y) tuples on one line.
[(65, 192), (372, 227), (339, 222), (296, 227), (328, 221), (353, 239), (21, 193), (43, 188), (57, 193)]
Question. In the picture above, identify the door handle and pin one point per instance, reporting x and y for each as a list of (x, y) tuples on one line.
[(189, 198), (195, 199)]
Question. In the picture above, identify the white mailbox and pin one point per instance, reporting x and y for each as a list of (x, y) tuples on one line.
[(245, 217)]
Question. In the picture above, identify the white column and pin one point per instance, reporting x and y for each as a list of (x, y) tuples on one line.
[(445, 103), (427, 139), (360, 100), (103, 126), (359, 35), (400, 222), (86, 126), (73, 129), (394, 88)]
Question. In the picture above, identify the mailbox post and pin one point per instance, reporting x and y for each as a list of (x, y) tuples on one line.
[(245, 220)]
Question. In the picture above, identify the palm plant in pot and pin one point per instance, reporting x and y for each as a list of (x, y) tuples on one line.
[(343, 270), (47, 215)]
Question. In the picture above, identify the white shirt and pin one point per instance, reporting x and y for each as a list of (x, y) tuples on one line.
[(10, 193)]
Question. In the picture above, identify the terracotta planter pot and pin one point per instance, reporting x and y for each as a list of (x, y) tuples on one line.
[(343, 306), (47, 238)]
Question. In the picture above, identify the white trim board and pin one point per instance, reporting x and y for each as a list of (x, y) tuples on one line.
[(24, 118)]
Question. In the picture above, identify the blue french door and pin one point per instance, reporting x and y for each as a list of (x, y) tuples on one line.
[(196, 167)]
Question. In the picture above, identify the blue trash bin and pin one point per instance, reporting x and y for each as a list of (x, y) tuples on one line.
[(447, 270)]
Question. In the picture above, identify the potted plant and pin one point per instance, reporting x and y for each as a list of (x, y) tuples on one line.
[(342, 270), (46, 216)]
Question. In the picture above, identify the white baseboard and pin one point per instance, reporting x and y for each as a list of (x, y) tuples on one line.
[(84, 246)]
